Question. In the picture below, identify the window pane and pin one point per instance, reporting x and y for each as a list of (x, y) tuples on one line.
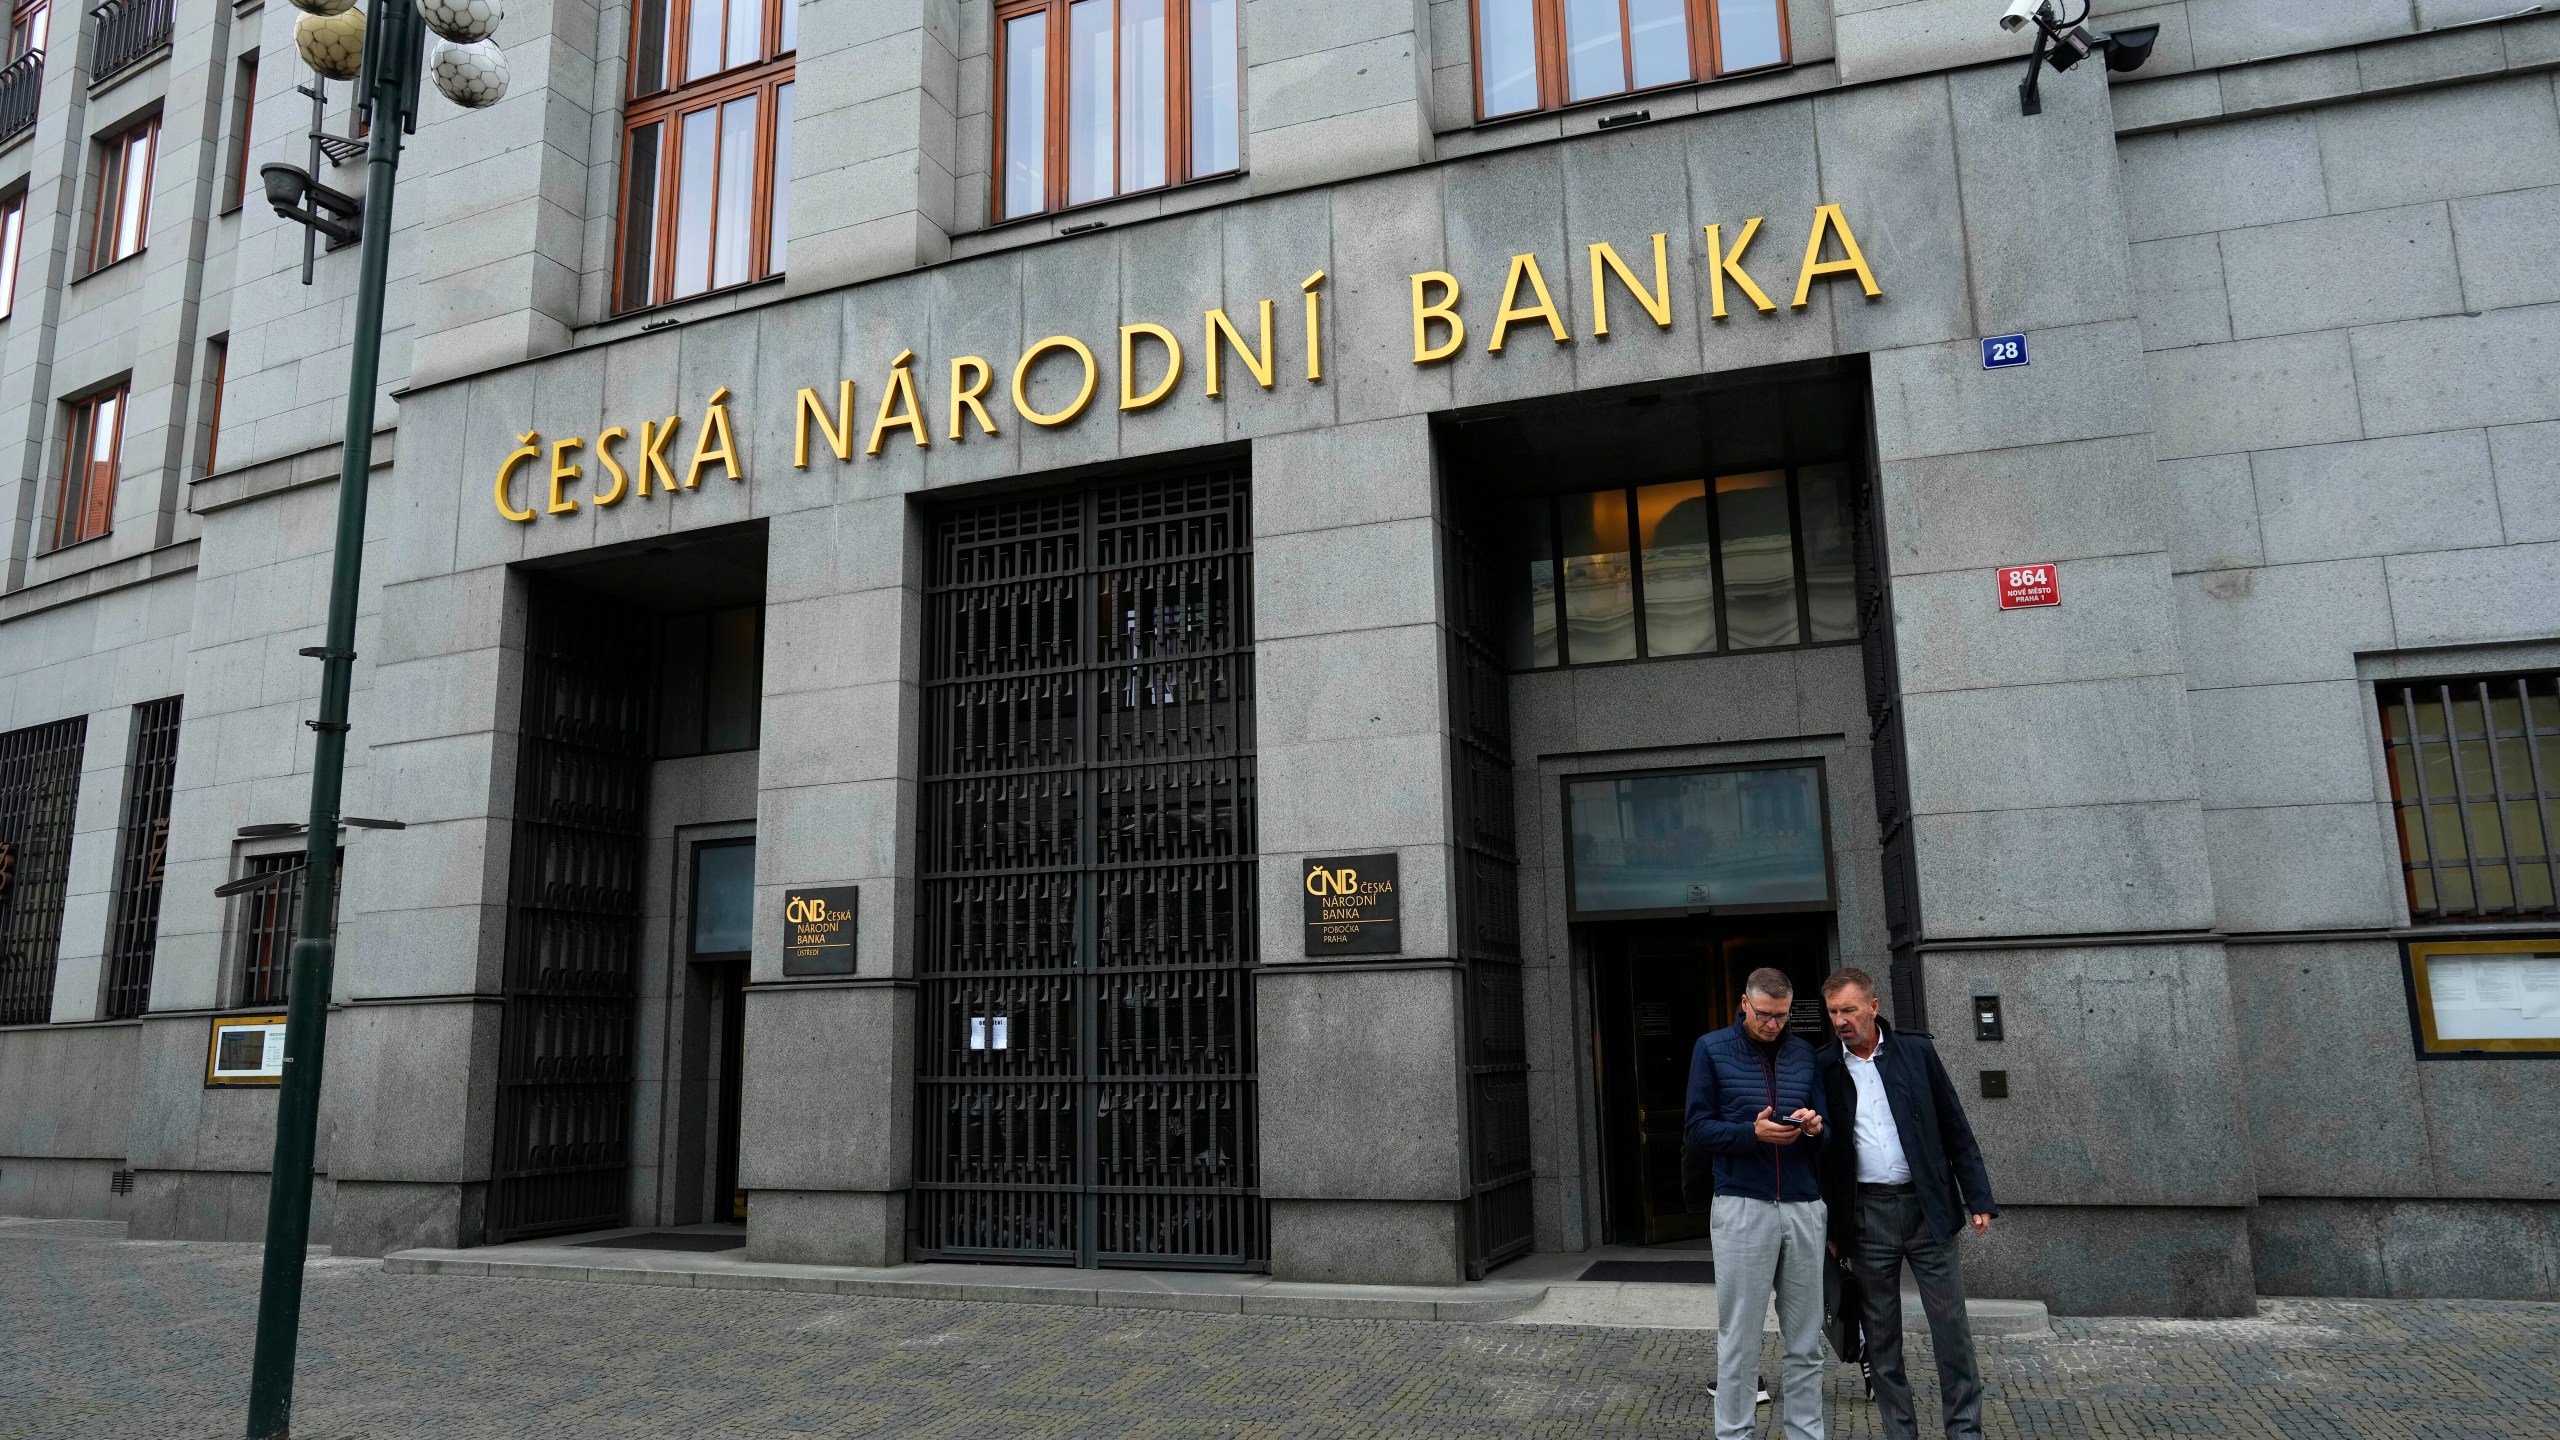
[(1658, 36), (98, 502), (1830, 569), (790, 27), (1213, 86), (1595, 61), (75, 477), (110, 187), (724, 898), (746, 33), (1142, 78), (781, 179), (702, 39), (1759, 560), (733, 252), (1026, 114), (12, 229), (734, 676), (651, 38), (1599, 586), (1088, 100), (640, 217), (680, 666), (1747, 34), (1727, 837), (1523, 554), (133, 209), (1507, 55), (1679, 569), (694, 174)]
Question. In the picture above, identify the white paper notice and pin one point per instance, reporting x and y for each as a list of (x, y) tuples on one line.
[(978, 1032), (2449, 984), (271, 1061), (2542, 987), (2496, 985)]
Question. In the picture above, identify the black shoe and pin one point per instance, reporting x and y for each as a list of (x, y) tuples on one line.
[(1867, 1377)]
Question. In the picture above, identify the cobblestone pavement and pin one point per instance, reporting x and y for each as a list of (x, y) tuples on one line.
[(107, 1338)]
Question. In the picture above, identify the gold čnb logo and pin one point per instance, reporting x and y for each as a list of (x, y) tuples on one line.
[(803, 910), (1345, 881)]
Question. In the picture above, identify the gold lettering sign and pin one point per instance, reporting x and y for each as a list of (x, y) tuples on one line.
[(1151, 361)]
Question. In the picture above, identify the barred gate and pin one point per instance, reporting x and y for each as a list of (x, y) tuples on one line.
[(563, 1133), (39, 790), (1084, 1061), (1500, 1223)]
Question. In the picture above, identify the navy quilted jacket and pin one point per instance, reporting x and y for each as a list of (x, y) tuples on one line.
[(1730, 1081)]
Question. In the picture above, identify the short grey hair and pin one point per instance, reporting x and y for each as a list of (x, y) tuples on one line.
[(1769, 982)]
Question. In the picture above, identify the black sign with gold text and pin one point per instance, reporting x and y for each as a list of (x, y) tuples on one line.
[(818, 929), (1353, 906)]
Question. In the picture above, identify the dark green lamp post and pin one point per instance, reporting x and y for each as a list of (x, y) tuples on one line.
[(384, 58)]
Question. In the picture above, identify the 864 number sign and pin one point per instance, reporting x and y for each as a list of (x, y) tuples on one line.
[(2024, 586)]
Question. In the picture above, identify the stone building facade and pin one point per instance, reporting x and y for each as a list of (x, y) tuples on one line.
[(1420, 440)]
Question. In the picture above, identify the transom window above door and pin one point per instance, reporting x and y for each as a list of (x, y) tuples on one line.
[(1543, 54), (1099, 98)]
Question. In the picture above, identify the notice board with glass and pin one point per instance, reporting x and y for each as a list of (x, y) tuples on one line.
[(2485, 997), (1727, 838)]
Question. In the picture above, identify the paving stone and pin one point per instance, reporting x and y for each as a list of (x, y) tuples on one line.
[(141, 1340)]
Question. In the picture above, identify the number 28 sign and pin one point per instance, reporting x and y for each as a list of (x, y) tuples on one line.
[(2022, 586)]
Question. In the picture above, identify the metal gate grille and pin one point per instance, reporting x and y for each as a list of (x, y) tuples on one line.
[(1500, 1219), (1085, 1063), (142, 854), (39, 789), (563, 1135)]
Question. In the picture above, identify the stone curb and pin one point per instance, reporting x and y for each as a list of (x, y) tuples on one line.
[(1264, 1298)]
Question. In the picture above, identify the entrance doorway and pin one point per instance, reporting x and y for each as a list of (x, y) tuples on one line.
[(722, 893), (1659, 985)]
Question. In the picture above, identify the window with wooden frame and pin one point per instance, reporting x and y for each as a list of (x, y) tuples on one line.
[(706, 149), (91, 446), (124, 194), (13, 235), (27, 27), (244, 106), (1542, 54), (217, 354), (1101, 98)]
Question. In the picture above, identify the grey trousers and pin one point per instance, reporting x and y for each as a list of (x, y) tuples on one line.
[(1891, 1232), (1761, 1244)]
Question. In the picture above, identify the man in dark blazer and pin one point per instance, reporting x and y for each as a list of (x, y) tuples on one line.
[(1902, 1176)]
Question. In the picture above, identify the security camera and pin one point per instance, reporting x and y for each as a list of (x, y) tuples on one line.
[(2020, 12)]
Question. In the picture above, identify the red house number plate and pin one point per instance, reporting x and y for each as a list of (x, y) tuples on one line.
[(2022, 586)]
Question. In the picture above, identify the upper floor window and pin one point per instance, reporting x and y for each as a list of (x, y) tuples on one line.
[(26, 27), (244, 106), (2475, 782), (13, 234), (1752, 561), (124, 194), (92, 441), (706, 147), (1540, 54), (1097, 98)]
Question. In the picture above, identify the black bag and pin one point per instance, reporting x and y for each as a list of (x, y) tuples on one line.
[(1844, 1303)]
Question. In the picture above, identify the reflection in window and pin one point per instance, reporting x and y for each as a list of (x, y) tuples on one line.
[(1669, 843), (1539, 54), (706, 160), (710, 681), (724, 895), (1599, 583), (1748, 561), (1119, 69)]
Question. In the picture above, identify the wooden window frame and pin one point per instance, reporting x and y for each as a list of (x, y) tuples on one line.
[(1053, 158), (19, 38), (220, 348), (107, 214), (68, 530), (12, 252), (762, 78), (1706, 50)]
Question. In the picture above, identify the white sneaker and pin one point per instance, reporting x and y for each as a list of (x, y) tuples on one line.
[(1764, 1391)]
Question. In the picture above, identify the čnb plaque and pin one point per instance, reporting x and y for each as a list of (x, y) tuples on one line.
[(818, 928), (1353, 906)]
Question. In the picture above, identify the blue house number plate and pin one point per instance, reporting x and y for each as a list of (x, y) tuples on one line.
[(1999, 352)]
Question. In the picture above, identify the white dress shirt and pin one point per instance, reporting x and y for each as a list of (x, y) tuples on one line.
[(1880, 1157)]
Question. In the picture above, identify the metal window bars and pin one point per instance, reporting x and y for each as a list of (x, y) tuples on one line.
[(129, 32), (21, 87), (1085, 1062), (142, 852), (2475, 785), (265, 928), (39, 792)]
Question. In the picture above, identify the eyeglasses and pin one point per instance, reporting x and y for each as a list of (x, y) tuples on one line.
[(1765, 1016)]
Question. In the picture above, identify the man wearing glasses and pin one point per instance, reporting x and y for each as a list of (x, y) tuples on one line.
[(1756, 1104)]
